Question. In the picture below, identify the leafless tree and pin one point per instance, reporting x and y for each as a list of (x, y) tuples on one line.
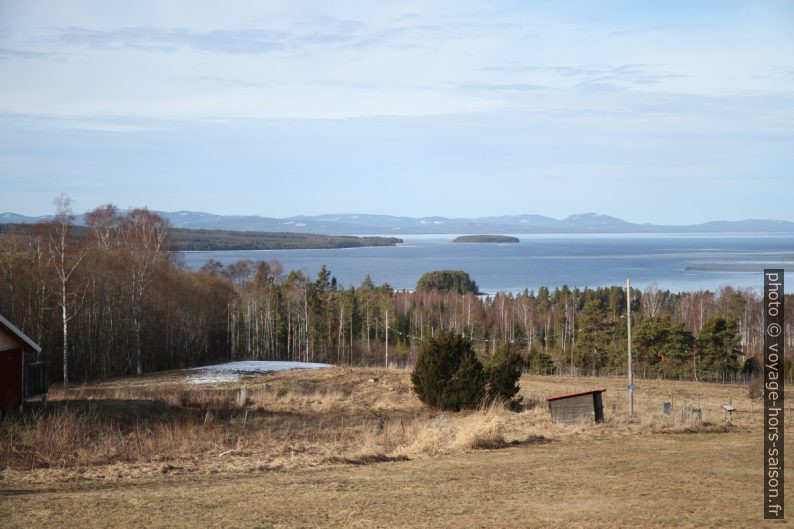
[(104, 223), (143, 236), (66, 257), (526, 305), (651, 302)]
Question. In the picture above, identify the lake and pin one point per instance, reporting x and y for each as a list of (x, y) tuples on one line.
[(679, 262)]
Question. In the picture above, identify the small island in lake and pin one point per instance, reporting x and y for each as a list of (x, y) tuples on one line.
[(486, 238)]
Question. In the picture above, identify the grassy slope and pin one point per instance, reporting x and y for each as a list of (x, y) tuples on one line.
[(641, 474)]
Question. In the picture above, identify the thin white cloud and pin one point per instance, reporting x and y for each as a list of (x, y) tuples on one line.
[(542, 97), (301, 63), (24, 54)]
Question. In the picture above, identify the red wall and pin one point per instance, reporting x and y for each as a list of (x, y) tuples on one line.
[(10, 379)]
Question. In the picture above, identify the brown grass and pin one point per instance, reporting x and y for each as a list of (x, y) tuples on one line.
[(297, 449), (649, 481), (304, 419)]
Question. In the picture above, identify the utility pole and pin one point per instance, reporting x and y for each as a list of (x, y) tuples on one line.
[(387, 339), (573, 326), (628, 325)]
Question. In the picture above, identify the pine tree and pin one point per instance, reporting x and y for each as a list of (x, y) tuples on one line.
[(448, 374), (718, 345)]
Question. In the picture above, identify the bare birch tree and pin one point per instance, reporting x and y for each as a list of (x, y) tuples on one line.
[(66, 258), (651, 302), (143, 235)]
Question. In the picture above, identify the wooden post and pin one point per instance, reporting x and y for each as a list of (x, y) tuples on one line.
[(672, 405), (573, 326), (387, 339), (628, 326)]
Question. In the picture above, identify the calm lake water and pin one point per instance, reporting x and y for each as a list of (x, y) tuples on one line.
[(671, 261)]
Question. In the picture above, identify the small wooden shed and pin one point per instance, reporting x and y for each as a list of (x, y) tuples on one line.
[(22, 377), (577, 407)]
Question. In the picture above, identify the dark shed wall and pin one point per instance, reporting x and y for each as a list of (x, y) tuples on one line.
[(599, 407), (576, 409)]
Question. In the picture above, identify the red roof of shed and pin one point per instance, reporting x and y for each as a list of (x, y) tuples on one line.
[(575, 394)]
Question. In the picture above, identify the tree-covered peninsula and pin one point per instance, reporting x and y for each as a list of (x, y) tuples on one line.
[(486, 239)]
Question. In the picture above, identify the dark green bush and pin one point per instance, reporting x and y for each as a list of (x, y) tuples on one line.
[(448, 374), (502, 373)]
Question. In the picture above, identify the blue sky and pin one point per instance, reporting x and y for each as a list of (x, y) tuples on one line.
[(664, 112)]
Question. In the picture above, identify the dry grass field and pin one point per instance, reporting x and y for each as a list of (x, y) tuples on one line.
[(355, 448)]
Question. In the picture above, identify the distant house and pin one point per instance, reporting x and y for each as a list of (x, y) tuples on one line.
[(22, 377), (577, 407)]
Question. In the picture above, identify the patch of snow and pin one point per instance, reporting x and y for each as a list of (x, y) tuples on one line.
[(233, 371)]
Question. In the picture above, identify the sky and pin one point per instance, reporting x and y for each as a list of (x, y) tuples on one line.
[(666, 112)]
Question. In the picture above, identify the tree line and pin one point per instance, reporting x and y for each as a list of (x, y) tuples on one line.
[(116, 302), (184, 239)]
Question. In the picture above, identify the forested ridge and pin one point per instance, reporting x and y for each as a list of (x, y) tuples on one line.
[(213, 240), (183, 239), (115, 302), (485, 239)]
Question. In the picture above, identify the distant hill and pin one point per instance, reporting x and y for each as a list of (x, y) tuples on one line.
[(367, 224)]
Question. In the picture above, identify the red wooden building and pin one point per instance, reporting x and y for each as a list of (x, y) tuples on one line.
[(22, 376)]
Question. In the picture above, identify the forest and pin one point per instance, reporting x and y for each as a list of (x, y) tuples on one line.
[(486, 239), (183, 239), (115, 301)]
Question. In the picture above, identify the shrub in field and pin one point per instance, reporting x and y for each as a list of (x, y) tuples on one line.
[(755, 389), (751, 368), (448, 374), (502, 373)]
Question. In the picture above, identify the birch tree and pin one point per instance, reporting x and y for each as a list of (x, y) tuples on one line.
[(143, 235), (66, 257)]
